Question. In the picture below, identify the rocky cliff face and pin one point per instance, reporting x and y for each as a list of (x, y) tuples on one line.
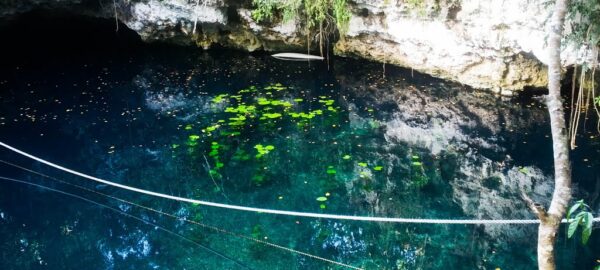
[(496, 45)]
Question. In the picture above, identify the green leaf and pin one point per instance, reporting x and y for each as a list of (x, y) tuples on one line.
[(417, 163), (378, 168), (573, 224), (588, 221), (321, 199), (573, 209), (346, 157), (362, 164)]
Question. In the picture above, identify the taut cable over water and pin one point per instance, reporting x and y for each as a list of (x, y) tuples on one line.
[(210, 250), (280, 212), (219, 230)]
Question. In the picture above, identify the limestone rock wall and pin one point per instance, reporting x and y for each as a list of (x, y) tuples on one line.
[(497, 45)]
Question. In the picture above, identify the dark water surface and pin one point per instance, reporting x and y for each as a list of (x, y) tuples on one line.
[(250, 130)]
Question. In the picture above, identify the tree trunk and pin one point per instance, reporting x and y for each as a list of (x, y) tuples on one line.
[(550, 220)]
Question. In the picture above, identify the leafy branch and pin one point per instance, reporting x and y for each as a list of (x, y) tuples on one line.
[(583, 217)]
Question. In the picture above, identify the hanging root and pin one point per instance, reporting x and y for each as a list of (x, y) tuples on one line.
[(585, 96), (116, 16)]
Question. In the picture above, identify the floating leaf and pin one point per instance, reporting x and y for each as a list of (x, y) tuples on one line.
[(378, 168), (362, 164), (417, 163), (272, 115), (346, 157), (321, 199), (220, 98), (193, 138), (212, 128), (188, 127), (523, 170), (322, 206), (263, 101)]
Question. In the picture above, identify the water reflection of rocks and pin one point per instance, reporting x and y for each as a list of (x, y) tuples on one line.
[(469, 129)]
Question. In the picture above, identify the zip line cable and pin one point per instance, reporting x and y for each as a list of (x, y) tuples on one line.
[(210, 250), (184, 219), (282, 212)]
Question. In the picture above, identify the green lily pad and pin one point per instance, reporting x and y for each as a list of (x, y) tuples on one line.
[(322, 199)]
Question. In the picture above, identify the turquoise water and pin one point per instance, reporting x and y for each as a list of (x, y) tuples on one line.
[(339, 137)]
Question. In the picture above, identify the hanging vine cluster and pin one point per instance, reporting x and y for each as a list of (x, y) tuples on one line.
[(584, 26), (323, 17)]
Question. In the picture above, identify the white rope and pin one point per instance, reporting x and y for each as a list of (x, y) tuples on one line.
[(129, 215), (282, 212), (184, 219)]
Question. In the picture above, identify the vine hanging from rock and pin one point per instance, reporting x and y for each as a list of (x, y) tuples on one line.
[(584, 32), (323, 17)]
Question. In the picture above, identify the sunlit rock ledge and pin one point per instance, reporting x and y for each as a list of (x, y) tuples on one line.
[(496, 45)]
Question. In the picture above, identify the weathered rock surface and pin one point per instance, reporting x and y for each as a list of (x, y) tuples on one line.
[(469, 131), (496, 45)]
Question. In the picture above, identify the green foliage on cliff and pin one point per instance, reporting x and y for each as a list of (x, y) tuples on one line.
[(322, 17), (584, 16), (317, 12)]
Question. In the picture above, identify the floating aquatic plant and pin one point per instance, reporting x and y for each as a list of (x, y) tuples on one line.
[(220, 98), (263, 150), (321, 199)]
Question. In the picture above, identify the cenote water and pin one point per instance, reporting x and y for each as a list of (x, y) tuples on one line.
[(246, 129)]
